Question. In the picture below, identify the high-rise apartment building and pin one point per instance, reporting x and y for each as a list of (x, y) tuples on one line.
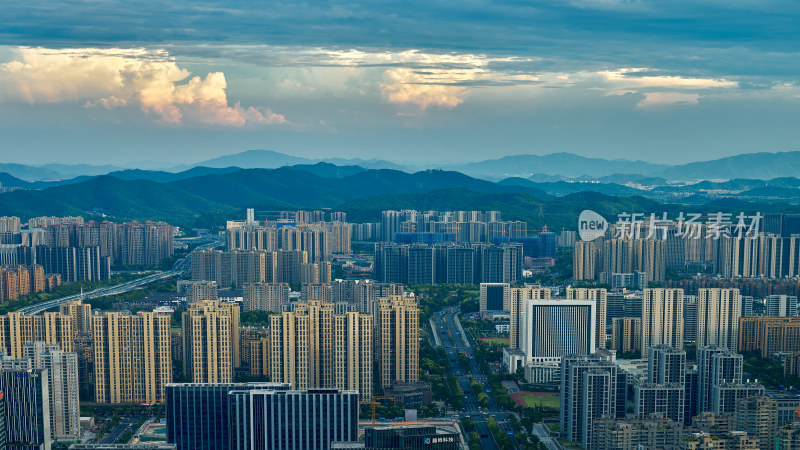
[(62, 381), (318, 272), (664, 399), (72, 263), (626, 334), (210, 334), (398, 341), (600, 297), (421, 265), (516, 306), (446, 262), (720, 380), (27, 409), (80, 313), (690, 318), (666, 365), (769, 335), (664, 392), (132, 356), (312, 347), (586, 260), (662, 318), (18, 329), (758, 417), (718, 312), (636, 433), (238, 267), (18, 281), (265, 296), (198, 290), (726, 396), (591, 388), (780, 306), (147, 244)]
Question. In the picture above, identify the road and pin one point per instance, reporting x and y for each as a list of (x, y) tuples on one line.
[(544, 437), (113, 436), (181, 267), (454, 340)]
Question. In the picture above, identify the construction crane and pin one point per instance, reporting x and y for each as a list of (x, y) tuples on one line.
[(373, 403)]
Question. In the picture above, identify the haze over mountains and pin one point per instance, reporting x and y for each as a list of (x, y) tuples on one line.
[(522, 186), (204, 196), (550, 167)]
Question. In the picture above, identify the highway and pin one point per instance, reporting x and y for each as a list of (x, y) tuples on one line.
[(544, 437), (454, 340), (182, 267)]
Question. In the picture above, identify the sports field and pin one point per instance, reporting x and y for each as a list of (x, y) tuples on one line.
[(548, 400), (496, 341)]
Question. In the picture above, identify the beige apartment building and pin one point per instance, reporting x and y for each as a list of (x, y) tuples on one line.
[(210, 334), (398, 340), (132, 356), (18, 329), (312, 347)]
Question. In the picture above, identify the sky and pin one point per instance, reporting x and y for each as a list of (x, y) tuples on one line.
[(151, 83)]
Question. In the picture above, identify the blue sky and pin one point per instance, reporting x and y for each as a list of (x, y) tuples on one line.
[(119, 82)]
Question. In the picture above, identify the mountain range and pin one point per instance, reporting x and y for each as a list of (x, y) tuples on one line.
[(551, 167), (206, 197)]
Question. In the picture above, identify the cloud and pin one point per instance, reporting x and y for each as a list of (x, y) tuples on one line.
[(116, 78), (656, 99), (404, 86), (428, 79), (636, 78)]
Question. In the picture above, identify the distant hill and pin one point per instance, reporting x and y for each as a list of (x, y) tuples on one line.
[(74, 170), (762, 166), (300, 188), (8, 180), (255, 159), (30, 173), (560, 188), (151, 194), (166, 177), (139, 199), (553, 167), (564, 164), (328, 170)]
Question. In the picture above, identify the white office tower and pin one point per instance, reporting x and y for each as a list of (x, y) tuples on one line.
[(662, 318), (781, 306), (718, 312), (600, 297), (552, 329)]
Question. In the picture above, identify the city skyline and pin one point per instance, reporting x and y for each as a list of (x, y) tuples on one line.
[(427, 82)]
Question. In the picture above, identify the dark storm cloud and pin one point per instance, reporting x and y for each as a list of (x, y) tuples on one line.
[(694, 37)]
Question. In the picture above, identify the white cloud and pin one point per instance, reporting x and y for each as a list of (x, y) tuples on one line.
[(656, 99), (405, 86), (116, 78), (629, 77)]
